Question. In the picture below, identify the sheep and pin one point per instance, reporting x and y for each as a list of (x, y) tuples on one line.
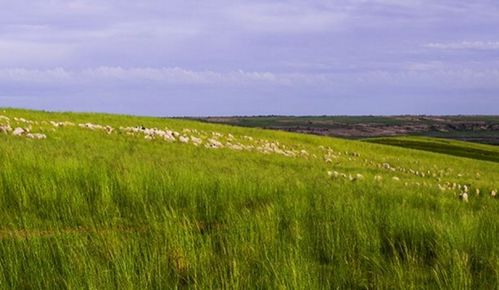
[(5, 129), (55, 124), (108, 129), (90, 126), (464, 196), (18, 131), (196, 141), (168, 137), (212, 143), (36, 136), (22, 120), (236, 147), (493, 193), (183, 139), (333, 174), (395, 178), (357, 176)]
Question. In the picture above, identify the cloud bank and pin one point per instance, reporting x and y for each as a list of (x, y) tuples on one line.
[(253, 57)]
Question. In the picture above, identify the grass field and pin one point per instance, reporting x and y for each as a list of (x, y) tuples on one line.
[(99, 203), (450, 147)]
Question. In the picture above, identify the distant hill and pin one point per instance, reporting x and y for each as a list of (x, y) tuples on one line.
[(482, 129)]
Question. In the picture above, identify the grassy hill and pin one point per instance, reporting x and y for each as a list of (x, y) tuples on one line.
[(480, 129), (450, 147), (103, 201)]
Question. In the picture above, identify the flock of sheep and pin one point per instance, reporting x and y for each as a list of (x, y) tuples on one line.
[(217, 140), (431, 178), (213, 140), (18, 131)]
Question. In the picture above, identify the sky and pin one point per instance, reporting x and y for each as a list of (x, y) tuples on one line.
[(232, 57)]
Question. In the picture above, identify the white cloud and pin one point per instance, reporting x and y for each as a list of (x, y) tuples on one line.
[(28, 53), (285, 17), (161, 76), (465, 45), (425, 75)]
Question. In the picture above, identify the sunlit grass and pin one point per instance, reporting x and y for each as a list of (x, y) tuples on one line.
[(87, 209)]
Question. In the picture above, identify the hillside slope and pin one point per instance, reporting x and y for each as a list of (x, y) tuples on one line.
[(104, 201), (481, 129), (444, 146)]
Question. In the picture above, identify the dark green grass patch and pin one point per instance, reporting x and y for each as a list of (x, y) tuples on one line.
[(456, 148)]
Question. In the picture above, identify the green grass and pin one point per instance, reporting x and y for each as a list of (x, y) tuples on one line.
[(88, 210), (445, 146)]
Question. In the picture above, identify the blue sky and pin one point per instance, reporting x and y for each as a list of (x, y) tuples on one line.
[(177, 58)]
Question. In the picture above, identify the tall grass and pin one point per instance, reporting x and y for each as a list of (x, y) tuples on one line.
[(87, 210)]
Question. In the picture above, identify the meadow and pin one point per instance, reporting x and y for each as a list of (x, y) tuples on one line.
[(445, 146), (97, 201)]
